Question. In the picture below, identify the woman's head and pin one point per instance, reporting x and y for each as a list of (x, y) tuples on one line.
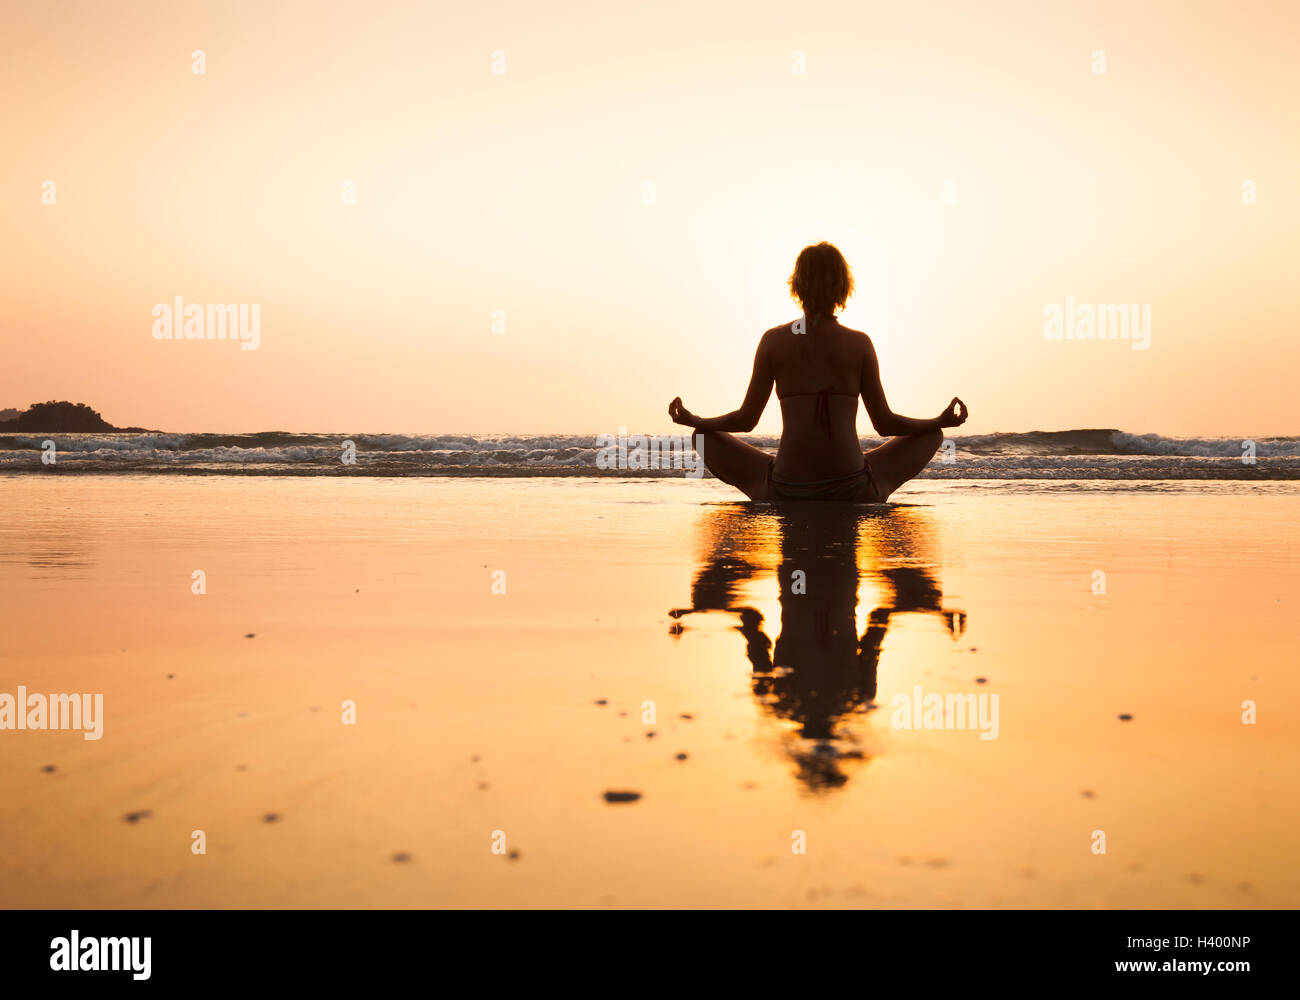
[(821, 281)]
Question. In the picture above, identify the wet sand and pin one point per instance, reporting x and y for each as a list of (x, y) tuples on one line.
[(520, 721)]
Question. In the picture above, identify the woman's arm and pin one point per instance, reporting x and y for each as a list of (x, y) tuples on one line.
[(743, 419), (890, 424)]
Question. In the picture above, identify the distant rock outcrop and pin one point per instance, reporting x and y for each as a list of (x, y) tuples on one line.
[(9, 414), (60, 417)]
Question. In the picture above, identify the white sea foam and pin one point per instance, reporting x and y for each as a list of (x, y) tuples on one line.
[(1048, 455)]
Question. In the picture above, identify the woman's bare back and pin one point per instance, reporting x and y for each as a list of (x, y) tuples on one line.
[(818, 377)]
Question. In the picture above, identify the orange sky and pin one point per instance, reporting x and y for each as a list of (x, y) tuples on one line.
[(524, 192)]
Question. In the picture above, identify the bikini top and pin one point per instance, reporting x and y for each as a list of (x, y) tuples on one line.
[(822, 413)]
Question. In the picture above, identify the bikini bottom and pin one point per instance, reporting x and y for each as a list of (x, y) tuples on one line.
[(856, 487)]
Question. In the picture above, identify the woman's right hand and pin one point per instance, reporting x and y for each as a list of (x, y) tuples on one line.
[(955, 415)]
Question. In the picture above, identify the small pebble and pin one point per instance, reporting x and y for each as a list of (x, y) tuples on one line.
[(401, 857), (1125, 717), (249, 635), (48, 769), (271, 818), (981, 680), (622, 796), (686, 715), (601, 701), (650, 735), (681, 756), (135, 817)]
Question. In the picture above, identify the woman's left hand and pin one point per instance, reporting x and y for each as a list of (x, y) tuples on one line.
[(680, 414)]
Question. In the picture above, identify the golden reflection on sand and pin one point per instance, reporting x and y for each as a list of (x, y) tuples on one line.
[(821, 668)]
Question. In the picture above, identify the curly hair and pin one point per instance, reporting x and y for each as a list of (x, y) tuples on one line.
[(822, 281)]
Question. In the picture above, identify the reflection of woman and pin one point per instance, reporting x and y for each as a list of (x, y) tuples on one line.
[(819, 368), (820, 669)]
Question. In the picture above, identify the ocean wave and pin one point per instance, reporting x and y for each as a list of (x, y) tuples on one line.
[(1049, 455)]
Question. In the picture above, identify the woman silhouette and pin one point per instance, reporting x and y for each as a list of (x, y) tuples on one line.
[(819, 368)]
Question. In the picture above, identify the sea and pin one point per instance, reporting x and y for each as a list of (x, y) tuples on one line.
[(1092, 454)]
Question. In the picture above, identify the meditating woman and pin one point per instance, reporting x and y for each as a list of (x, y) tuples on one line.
[(819, 368)]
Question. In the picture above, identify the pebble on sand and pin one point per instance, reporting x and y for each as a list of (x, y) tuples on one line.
[(401, 857), (249, 635), (135, 817), (601, 701), (49, 769), (1125, 717), (622, 796), (981, 680), (513, 855), (681, 756), (686, 715), (271, 818)]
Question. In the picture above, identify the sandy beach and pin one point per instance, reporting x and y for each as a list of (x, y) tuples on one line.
[(652, 639)]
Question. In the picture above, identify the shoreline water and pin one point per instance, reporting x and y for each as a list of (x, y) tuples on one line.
[(515, 709), (1077, 455)]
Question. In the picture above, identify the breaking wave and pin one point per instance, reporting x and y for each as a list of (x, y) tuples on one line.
[(1074, 454)]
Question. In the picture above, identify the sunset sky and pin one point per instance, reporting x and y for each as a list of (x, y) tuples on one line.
[(527, 192)]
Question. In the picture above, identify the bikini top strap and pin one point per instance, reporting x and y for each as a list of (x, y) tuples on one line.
[(823, 411)]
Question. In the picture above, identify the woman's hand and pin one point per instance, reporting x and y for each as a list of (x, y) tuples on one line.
[(680, 414), (955, 415)]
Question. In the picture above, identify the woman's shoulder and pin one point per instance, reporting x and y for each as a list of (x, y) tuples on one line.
[(800, 326), (784, 330)]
